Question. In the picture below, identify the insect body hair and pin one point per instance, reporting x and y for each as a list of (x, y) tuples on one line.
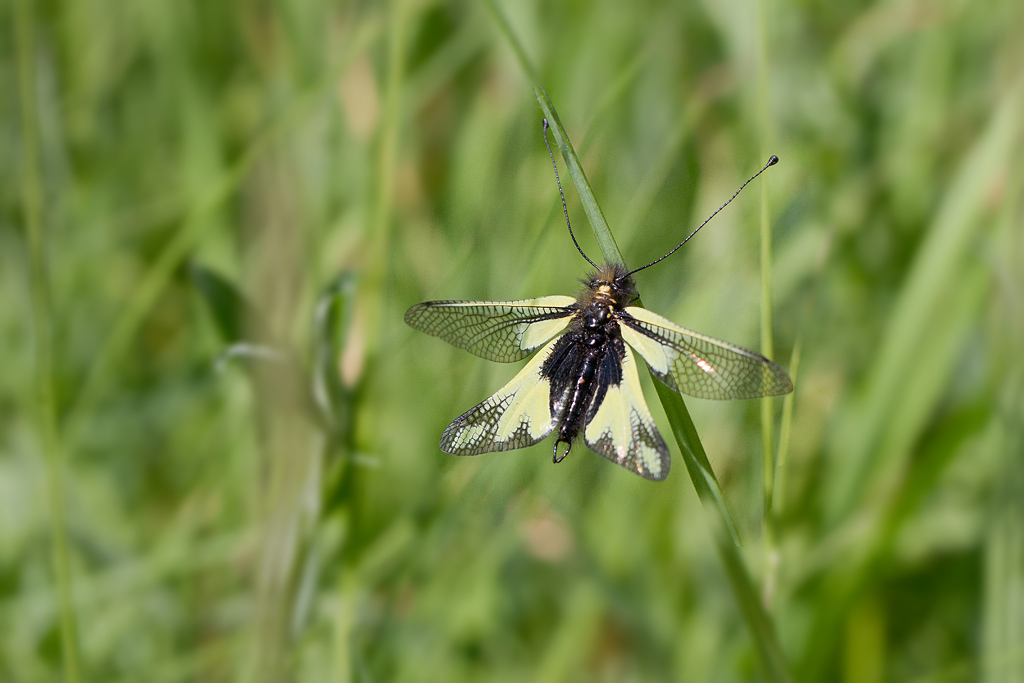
[(611, 283)]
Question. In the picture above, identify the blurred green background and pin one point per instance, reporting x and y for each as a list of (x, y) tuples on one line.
[(284, 178)]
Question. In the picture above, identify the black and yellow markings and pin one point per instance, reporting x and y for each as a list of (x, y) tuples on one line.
[(515, 416), (583, 382)]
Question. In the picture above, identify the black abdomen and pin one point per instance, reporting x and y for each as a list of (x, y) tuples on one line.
[(581, 393), (584, 362)]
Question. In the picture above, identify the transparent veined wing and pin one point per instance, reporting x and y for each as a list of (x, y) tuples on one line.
[(698, 365), (516, 416), (619, 424), (502, 331)]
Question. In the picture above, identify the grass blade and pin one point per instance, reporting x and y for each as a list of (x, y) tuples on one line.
[(785, 430), (697, 464), (605, 241), (228, 307), (696, 460), (767, 345), (524, 62), (332, 318), (42, 325), (682, 425)]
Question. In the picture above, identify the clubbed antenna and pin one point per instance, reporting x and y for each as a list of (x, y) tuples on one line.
[(771, 162)]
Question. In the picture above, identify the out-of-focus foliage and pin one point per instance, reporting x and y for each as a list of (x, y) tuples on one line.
[(237, 511)]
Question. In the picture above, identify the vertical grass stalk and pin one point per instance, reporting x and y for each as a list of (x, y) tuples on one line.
[(45, 399), (785, 429), (1002, 659), (770, 557), (697, 465), (724, 531), (384, 182), (767, 346)]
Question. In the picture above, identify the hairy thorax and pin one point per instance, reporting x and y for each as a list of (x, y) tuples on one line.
[(611, 287)]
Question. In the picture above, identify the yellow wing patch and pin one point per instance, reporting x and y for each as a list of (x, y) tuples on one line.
[(539, 332), (652, 352)]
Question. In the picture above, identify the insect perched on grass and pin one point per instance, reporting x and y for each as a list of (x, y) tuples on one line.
[(583, 381)]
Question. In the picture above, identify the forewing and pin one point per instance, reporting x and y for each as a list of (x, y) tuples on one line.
[(516, 416), (699, 365), (502, 331), (620, 426)]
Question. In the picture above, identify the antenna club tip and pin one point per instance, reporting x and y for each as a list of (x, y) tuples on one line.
[(772, 160)]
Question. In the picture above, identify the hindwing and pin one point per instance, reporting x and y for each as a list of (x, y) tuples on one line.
[(516, 416), (619, 425)]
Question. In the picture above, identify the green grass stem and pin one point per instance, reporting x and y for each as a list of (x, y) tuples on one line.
[(767, 343), (42, 327), (697, 464), (525, 63), (386, 161), (705, 482), (785, 432), (1002, 654), (605, 240)]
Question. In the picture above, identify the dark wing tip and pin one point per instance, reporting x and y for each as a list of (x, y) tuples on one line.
[(777, 380), (414, 316), (446, 441), (413, 313), (449, 437)]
